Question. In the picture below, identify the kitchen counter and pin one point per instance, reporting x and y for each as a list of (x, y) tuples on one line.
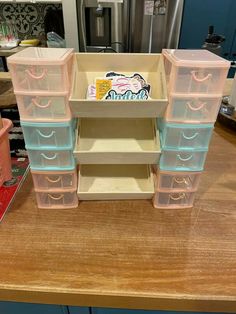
[(127, 254)]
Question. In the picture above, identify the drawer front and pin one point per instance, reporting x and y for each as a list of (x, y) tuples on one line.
[(58, 199), (51, 159), (178, 136), (43, 108), (39, 77), (44, 136), (194, 80), (193, 109), (54, 180), (173, 200), (178, 181), (182, 160)]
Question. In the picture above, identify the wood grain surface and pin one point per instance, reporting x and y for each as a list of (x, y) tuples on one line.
[(126, 253)]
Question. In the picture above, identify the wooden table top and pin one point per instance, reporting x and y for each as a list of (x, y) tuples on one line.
[(126, 253)]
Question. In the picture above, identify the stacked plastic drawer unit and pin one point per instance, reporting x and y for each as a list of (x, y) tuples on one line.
[(41, 80), (195, 82)]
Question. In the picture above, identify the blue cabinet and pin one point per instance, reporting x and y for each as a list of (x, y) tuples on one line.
[(79, 310), (31, 308), (198, 15)]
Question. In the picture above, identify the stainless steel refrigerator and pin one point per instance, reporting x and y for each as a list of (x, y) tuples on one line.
[(128, 25)]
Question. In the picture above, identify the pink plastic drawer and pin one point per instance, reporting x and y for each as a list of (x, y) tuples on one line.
[(57, 199), (41, 69), (167, 180), (49, 180), (173, 200), (195, 71), (43, 107), (193, 109), (5, 158)]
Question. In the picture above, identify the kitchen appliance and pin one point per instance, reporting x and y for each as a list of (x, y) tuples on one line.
[(128, 25)]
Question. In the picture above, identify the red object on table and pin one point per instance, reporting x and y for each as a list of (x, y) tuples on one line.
[(9, 189)]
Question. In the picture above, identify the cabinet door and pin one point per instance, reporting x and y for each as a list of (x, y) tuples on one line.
[(31, 308), (197, 17), (79, 310), (123, 311)]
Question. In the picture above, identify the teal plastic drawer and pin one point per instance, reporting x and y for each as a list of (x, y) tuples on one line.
[(183, 160), (181, 136), (44, 135), (51, 159)]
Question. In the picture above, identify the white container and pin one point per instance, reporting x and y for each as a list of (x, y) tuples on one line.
[(57, 199), (195, 71), (51, 180), (193, 108), (41, 69), (175, 181), (89, 66), (173, 200), (117, 141), (43, 107), (114, 182)]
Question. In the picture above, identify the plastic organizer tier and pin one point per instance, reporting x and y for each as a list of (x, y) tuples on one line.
[(49, 135), (173, 200), (183, 136), (5, 158), (57, 199), (51, 180), (177, 181), (51, 159), (41, 69), (182, 160), (194, 71), (193, 108), (90, 66), (43, 106)]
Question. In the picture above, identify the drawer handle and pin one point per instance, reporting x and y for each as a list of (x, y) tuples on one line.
[(46, 136), (200, 79), (196, 108), (190, 137), (184, 159), (49, 158), (34, 101), (56, 198), (36, 77), (53, 181), (179, 197), (180, 180)]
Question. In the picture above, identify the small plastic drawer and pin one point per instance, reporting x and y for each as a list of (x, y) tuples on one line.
[(57, 199), (175, 181), (195, 71), (42, 107), (180, 136), (193, 109), (5, 157), (173, 200), (182, 160), (41, 69), (44, 135), (51, 159), (51, 180)]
